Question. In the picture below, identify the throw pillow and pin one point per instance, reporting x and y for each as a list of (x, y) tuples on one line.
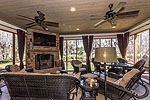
[(15, 68)]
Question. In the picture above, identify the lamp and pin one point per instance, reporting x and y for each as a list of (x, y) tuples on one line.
[(106, 55)]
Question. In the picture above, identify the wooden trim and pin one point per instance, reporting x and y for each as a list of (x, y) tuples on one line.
[(14, 55), (135, 48), (76, 49), (111, 42), (99, 42), (149, 56), (52, 50), (139, 32), (67, 54), (7, 31)]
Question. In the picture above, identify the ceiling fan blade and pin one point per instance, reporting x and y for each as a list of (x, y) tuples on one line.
[(25, 17), (30, 23), (95, 15), (128, 14), (95, 18), (122, 9), (119, 7), (53, 24), (99, 23)]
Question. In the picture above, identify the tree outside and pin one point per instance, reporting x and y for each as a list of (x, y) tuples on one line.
[(5, 49)]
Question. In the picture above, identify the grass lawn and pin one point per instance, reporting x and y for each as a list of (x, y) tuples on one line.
[(71, 68)]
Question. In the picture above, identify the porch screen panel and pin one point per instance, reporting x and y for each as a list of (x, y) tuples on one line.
[(6, 49), (143, 46), (81, 55), (115, 44), (130, 51)]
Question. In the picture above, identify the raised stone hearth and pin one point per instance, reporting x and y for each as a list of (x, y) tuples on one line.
[(42, 58)]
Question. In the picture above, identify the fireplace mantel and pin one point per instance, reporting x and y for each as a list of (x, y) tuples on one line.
[(51, 50)]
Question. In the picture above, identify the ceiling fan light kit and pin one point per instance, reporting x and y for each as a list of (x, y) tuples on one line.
[(114, 26)]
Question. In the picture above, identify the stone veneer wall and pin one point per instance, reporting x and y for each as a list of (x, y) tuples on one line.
[(31, 53)]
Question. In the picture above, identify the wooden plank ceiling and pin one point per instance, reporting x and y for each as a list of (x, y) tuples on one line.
[(59, 11)]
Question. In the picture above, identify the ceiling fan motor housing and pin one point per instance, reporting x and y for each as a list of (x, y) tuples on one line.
[(37, 19), (110, 15)]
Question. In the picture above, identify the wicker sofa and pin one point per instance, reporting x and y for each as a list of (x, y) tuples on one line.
[(35, 86)]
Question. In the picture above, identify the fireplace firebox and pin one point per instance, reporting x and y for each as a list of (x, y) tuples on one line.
[(44, 61)]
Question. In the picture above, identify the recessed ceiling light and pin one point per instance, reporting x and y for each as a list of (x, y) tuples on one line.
[(72, 9), (77, 29)]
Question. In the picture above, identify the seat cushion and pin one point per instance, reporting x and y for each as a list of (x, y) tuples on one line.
[(112, 80), (89, 75), (126, 78)]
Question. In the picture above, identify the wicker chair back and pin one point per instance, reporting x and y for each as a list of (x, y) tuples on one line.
[(122, 60), (140, 64), (40, 87)]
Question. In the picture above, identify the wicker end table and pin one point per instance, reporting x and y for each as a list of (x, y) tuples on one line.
[(89, 92)]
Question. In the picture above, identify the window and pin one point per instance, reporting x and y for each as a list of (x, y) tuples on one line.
[(16, 51), (105, 42), (115, 44), (130, 51), (6, 49), (143, 46), (71, 52), (96, 44), (81, 55)]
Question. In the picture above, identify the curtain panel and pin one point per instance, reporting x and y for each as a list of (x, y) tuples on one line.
[(21, 44), (61, 39), (123, 41), (87, 43)]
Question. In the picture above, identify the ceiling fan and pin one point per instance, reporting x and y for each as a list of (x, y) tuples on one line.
[(112, 14), (38, 20)]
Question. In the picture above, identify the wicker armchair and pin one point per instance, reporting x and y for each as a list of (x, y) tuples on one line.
[(97, 66), (40, 86), (138, 65), (116, 92), (122, 60), (79, 67)]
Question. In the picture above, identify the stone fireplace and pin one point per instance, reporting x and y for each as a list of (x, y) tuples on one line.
[(42, 58)]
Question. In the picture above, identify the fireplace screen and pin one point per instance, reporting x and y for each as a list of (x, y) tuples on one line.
[(44, 61)]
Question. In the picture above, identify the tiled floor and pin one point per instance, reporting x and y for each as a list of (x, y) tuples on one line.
[(139, 90)]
